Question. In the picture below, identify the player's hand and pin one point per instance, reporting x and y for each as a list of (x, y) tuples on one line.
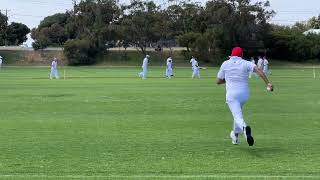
[(270, 87)]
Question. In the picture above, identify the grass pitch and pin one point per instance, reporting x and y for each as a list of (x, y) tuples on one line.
[(106, 123)]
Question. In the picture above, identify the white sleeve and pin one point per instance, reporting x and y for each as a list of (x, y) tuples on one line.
[(250, 66), (221, 73)]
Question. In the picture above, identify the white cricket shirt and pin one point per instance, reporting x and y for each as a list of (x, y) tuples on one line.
[(236, 71), (169, 63), (54, 65), (145, 63)]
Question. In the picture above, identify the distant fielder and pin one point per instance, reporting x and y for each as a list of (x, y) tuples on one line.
[(265, 66), (195, 67), (0, 62), (169, 72), (234, 72), (144, 66), (254, 62), (54, 69), (260, 63)]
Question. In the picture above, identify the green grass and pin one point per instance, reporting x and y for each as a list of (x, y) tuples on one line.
[(105, 123)]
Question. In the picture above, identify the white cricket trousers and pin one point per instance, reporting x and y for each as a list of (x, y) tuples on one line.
[(195, 72), (169, 72), (54, 72), (143, 74), (235, 103)]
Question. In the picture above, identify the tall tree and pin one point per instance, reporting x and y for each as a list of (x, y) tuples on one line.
[(51, 31), (139, 24), (17, 33), (314, 22), (3, 28)]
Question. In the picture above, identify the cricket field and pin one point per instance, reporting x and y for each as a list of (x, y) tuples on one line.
[(106, 123)]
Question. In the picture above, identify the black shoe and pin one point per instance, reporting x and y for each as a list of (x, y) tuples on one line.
[(249, 137)]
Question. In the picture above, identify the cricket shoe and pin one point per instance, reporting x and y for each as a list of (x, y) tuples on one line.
[(248, 136), (234, 138)]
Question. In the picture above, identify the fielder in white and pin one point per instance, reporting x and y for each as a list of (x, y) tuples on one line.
[(260, 63), (54, 69), (234, 72), (0, 61), (195, 68), (265, 66), (169, 72), (144, 66), (254, 62)]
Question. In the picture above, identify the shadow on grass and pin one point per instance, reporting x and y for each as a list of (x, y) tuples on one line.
[(263, 152)]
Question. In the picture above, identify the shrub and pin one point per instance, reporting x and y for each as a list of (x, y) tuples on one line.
[(80, 52)]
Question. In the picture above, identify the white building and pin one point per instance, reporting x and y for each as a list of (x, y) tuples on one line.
[(312, 31)]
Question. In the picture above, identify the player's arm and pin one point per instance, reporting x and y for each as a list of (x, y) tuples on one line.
[(263, 77), (221, 76)]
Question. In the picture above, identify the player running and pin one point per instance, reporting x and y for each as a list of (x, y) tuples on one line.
[(144, 66), (169, 72), (195, 68), (234, 72), (54, 69)]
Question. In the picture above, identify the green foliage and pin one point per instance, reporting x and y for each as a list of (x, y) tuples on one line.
[(139, 26), (314, 23), (3, 28), (288, 43), (208, 31), (59, 18), (188, 40), (17, 33), (13, 34), (80, 52), (51, 31)]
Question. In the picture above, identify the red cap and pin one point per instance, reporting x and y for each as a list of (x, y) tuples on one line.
[(237, 51)]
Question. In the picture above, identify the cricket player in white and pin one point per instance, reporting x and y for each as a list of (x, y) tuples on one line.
[(254, 62), (144, 66), (260, 63), (195, 68), (0, 61), (234, 72), (169, 68), (265, 66), (54, 69)]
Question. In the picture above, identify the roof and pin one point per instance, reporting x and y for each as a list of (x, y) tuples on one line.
[(312, 31)]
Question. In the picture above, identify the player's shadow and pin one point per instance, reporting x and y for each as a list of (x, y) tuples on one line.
[(262, 152)]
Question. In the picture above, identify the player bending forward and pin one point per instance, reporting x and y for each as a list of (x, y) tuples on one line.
[(195, 68), (144, 66), (54, 69), (235, 72), (169, 72)]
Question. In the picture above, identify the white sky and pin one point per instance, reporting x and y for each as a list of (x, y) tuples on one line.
[(31, 12)]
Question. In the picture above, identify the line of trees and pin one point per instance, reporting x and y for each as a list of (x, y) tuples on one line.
[(208, 32), (12, 34)]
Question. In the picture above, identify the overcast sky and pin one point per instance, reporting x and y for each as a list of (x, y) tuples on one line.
[(31, 12)]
